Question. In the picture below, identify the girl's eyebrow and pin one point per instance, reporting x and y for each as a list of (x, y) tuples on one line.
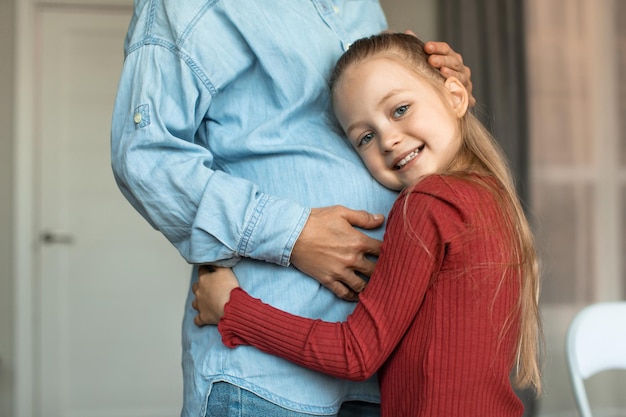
[(390, 94), (353, 126), (382, 101)]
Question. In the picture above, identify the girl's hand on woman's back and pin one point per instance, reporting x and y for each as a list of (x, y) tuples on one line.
[(212, 292)]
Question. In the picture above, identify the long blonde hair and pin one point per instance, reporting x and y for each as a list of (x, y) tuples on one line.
[(478, 154)]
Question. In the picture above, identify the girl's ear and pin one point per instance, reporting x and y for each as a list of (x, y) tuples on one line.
[(459, 99)]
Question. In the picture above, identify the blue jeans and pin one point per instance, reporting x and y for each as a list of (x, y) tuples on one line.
[(227, 400)]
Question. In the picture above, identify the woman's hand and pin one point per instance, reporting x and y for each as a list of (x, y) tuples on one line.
[(212, 292), (450, 64)]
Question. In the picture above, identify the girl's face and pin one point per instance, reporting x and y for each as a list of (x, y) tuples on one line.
[(399, 124)]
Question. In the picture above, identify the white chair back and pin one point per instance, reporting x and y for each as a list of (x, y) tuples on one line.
[(596, 341)]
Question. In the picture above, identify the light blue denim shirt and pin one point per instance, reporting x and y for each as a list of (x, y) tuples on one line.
[(223, 139)]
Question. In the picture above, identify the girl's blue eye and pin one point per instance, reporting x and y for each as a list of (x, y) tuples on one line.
[(366, 139), (400, 111)]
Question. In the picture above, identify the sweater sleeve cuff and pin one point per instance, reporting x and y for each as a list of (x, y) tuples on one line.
[(235, 308), (246, 322)]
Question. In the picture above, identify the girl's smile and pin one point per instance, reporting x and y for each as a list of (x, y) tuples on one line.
[(409, 158)]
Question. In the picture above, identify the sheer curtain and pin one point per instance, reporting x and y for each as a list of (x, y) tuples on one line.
[(490, 36), (576, 52)]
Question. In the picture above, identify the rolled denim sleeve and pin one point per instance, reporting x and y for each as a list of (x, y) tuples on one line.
[(167, 171)]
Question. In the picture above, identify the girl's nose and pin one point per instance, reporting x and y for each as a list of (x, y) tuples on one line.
[(389, 140)]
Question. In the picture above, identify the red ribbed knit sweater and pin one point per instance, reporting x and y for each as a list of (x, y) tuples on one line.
[(431, 319)]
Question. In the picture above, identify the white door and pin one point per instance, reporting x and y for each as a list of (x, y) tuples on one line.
[(110, 290)]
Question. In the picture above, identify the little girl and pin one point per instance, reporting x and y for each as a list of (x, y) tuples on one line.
[(451, 309)]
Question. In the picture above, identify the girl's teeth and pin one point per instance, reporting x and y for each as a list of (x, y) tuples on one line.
[(407, 158)]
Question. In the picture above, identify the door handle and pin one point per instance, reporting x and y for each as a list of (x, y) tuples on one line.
[(50, 238)]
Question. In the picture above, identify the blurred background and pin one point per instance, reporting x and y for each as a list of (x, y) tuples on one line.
[(91, 298)]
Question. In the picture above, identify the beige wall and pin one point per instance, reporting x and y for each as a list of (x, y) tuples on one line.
[(6, 205)]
